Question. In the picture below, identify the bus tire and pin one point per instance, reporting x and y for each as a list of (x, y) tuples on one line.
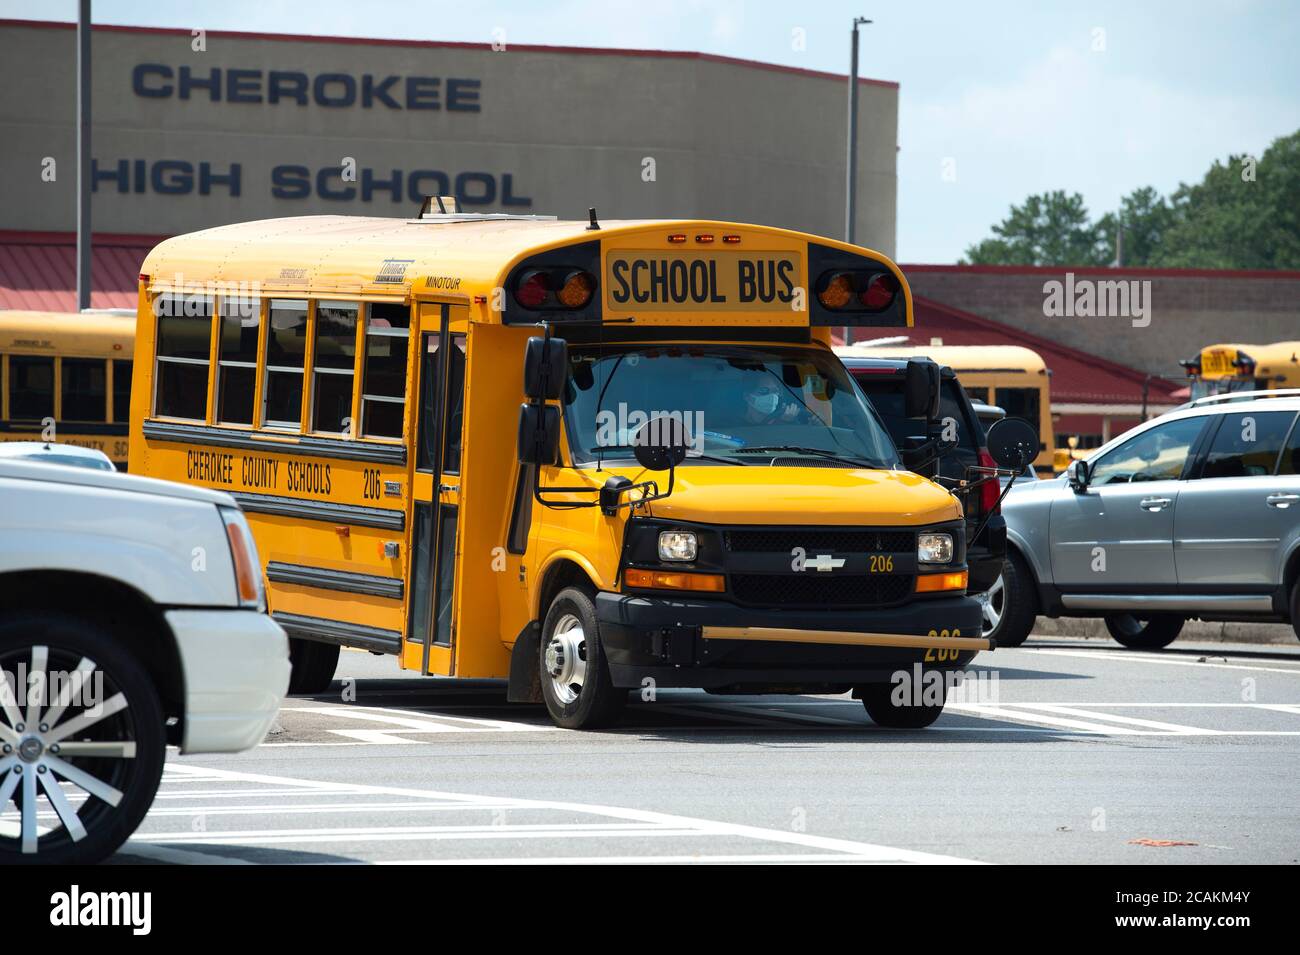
[(1153, 632), (1019, 603), (576, 685), (313, 665), (120, 786), (878, 699)]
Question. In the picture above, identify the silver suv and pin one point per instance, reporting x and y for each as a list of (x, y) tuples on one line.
[(1192, 514)]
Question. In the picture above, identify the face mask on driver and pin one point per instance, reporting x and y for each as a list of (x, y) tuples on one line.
[(764, 403)]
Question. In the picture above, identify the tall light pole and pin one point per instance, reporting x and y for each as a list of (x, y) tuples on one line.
[(83, 155), (850, 173)]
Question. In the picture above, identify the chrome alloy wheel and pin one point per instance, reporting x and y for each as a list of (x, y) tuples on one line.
[(992, 606), (75, 748), (566, 659)]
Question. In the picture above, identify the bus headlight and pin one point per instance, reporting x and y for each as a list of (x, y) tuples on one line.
[(677, 545), (934, 548)]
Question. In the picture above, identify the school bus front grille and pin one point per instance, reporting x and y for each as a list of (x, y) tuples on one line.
[(848, 591), (856, 540)]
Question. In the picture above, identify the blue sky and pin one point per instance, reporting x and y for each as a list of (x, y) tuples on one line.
[(1015, 98)]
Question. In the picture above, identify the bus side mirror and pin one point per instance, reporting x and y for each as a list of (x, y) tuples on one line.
[(539, 434), (1077, 476), (546, 360), (921, 390), (1013, 443), (660, 443)]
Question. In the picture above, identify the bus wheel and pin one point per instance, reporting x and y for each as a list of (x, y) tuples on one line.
[(313, 666), (1154, 632), (877, 698), (98, 733), (575, 678)]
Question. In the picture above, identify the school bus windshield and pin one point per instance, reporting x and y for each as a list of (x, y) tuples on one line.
[(744, 404)]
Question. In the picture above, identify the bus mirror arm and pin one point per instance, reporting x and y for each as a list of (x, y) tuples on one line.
[(921, 453), (610, 495), (990, 474)]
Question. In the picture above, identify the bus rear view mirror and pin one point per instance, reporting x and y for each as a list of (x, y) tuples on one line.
[(921, 389), (660, 443), (539, 434), (1013, 443), (546, 362)]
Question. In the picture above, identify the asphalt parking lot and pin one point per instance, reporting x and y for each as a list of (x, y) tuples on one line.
[(1087, 753)]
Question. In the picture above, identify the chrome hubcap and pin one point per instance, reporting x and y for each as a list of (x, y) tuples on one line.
[(30, 749), (993, 604), (565, 659), (40, 742)]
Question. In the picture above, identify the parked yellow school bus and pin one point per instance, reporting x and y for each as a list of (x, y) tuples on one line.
[(1011, 377), (439, 430), (1218, 369), (66, 377)]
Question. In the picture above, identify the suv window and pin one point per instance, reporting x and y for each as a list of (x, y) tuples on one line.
[(1247, 444), (1290, 463), (1157, 454), (886, 394)]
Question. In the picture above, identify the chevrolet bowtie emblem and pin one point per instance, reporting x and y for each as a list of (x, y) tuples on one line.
[(823, 562)]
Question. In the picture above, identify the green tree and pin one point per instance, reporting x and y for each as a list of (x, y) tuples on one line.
[(1048, 229), (1242, 215), (1146, 217)]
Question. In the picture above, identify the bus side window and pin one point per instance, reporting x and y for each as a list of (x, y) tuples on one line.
[(430, 409), (286, 346), (31, 387), (183, 350), (1019, 403), (241, 319), (84, 387), (455, 405), (121, 390), (333, 364), (383, 384)]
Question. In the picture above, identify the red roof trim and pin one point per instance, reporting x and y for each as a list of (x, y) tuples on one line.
[(459, 45), (1057, 270)]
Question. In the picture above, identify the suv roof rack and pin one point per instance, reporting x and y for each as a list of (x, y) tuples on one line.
[(1243, 396)]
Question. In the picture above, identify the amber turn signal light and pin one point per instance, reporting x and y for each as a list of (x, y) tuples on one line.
[(674, 580), (929, 583)]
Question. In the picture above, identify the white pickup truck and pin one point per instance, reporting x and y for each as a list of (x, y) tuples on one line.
[(132, 615)]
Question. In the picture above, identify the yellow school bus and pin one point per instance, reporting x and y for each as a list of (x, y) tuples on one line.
[(1217, 369), (584, 457), (67, 378), (1011, 377)]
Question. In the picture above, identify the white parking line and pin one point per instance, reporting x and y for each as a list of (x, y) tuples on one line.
[(1176, 728), (989, 711), (624, 823), (1131, 657)]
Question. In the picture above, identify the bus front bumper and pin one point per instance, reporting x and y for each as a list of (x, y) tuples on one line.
[(684, 642)]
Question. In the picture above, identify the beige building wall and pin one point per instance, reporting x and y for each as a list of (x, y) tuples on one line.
[(1187, 310), (636, 135)]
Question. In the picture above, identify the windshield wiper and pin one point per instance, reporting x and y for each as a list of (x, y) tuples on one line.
[(816, 452), (690, 455)]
